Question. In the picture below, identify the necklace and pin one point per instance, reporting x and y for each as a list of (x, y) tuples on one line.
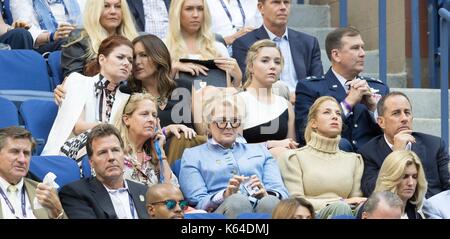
[(160, 101)]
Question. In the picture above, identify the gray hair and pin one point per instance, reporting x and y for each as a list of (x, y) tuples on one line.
[(390, 198)]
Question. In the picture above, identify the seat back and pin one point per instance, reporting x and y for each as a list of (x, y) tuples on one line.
[(23, 70), (204, 216), (8, 113), (248, 215), (54, 64), (176, 166), (38, 117), (65, 169)]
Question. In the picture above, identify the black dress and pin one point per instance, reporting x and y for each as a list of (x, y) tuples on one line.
[(264, 122)]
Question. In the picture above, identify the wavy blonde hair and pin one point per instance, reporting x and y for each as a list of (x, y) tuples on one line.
[(253, 53), (393, 170), (96, 33), (313, 111), (130, 108), (175, 42)]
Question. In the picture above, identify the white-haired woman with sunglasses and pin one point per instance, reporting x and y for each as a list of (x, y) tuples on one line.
[(225, 175)]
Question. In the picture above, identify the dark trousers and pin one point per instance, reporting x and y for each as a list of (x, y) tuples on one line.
[(51, 46), (17, 39)]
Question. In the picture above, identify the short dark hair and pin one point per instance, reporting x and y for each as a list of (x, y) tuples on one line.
[(15, 132), (333, 40), (101, 131), (391, 199), (381, 107)]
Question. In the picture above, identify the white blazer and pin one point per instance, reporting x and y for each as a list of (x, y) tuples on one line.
[(80, 95)]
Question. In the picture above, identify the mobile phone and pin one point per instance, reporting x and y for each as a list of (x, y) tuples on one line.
[(247, 187)]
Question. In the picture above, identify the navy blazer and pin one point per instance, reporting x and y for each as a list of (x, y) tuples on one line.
[(359, 127), (431, 150), (137, 10), (88, 199), (305, 51)]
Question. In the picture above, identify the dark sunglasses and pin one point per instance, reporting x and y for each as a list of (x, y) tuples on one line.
[(171, 204), (222, 123)]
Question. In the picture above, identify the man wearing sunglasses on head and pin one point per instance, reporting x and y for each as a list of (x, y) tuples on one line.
[(225, 175), (165, 201)]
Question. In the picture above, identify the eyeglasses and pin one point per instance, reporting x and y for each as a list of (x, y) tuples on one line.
[(222, 123), (171, 204)]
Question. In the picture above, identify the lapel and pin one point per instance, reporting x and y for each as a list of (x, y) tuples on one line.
[(334, 86), (261, 33), (31, 192), (102, 197), (382, 150), (419, 149), (140, 11), (118, 106), (138, 199), (167, 2), (296, 50)]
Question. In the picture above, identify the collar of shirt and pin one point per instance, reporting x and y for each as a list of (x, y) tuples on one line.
[(341, 79), (215, 143), (120, 190), (4, 184), (273, 36), (407, 147)]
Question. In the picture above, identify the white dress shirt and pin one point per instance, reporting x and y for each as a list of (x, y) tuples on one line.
[(121, 201), (156, 17), (222, 25), (7, 214)]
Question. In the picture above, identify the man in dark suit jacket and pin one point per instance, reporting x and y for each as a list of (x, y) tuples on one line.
[(395, 118), (357, 96), (137, 10), (304, 49), (107, 195)]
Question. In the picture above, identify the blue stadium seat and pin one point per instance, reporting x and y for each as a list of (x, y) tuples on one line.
[(343, 217), (23, 70), (65, 169), (204, 216), (8, 113), (254, 215), (85, 166), (38, 117), (176, 166), (54, 63)]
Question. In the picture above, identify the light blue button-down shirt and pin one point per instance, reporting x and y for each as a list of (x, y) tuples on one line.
[(207, 168), (288, 75)]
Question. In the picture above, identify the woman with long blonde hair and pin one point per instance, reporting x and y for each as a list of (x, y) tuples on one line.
[(138, 128), (402, 173), (102, 18), (190, 36)]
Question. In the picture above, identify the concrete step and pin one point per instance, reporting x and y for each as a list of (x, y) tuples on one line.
[(426, 103), (394, 80), (309, 16), (320, 33), (428, 126), (370, 64)]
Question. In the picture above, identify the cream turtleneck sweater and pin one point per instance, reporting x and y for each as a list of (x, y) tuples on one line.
[(321, 172)]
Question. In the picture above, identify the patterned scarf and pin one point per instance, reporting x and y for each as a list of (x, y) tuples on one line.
[(106, 90)]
